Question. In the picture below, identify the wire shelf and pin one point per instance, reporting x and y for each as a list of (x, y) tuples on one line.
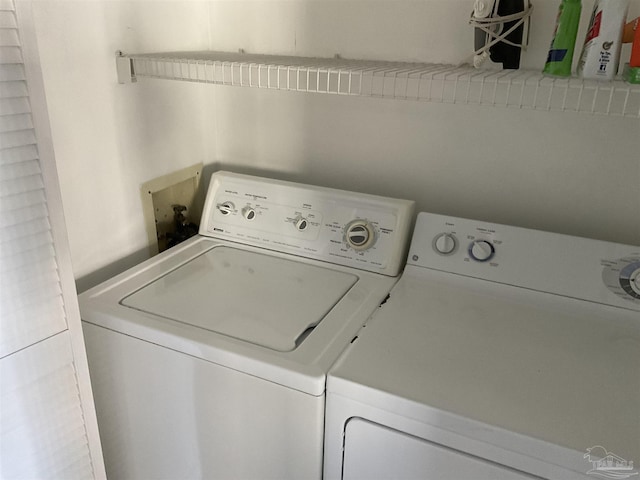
[(441, 83)]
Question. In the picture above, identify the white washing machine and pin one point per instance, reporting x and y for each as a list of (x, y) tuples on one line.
[(502, 353), (209, 360)]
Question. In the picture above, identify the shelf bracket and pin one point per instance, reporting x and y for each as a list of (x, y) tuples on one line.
[(124, 68)]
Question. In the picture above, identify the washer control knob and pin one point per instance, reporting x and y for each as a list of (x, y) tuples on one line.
[(635, 281), (226, 208), (630, 279), (249, 213), (445, 243), (300, 223), (481, 250), (360, 235)]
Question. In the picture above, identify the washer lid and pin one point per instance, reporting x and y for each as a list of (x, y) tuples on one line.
[(257, 298)]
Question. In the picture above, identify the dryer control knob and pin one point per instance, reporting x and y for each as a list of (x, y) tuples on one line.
[(300, 223), (360, 235), (445, 243), (249, 213), (481, 250)]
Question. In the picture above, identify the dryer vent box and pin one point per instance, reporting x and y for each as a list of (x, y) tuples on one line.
[(167, 197)]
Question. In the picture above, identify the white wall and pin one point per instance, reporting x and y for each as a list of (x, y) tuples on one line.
[(570, 173), (111, 138)]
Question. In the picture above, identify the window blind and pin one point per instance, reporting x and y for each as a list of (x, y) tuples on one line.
[(31, 305), (48, 427)]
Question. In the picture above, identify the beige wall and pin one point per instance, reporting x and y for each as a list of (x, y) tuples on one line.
[(570, 173)]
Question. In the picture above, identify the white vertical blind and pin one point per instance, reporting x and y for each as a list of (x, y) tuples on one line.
[(48, 427), (31, 306), (43, 431)]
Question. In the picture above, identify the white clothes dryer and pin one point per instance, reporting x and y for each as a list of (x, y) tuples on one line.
[(502, 353), (209, 360)]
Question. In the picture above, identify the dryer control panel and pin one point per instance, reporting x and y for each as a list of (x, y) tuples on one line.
[(582, 268), (352, 229)]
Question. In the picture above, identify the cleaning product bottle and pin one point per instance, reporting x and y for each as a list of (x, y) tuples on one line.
[(601, 51), (564, 39), (632, 72), (635, 47)]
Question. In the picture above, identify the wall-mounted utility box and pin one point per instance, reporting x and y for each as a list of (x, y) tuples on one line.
[(172, 207)]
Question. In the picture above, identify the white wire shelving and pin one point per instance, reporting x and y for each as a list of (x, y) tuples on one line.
[(525, 89)]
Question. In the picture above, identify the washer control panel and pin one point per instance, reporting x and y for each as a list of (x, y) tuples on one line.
[(364, 231), (594, 270)]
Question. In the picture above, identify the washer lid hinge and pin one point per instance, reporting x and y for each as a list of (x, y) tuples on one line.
[(385, 300)]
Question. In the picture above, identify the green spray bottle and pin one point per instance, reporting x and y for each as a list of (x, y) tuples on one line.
[(564, 39)]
